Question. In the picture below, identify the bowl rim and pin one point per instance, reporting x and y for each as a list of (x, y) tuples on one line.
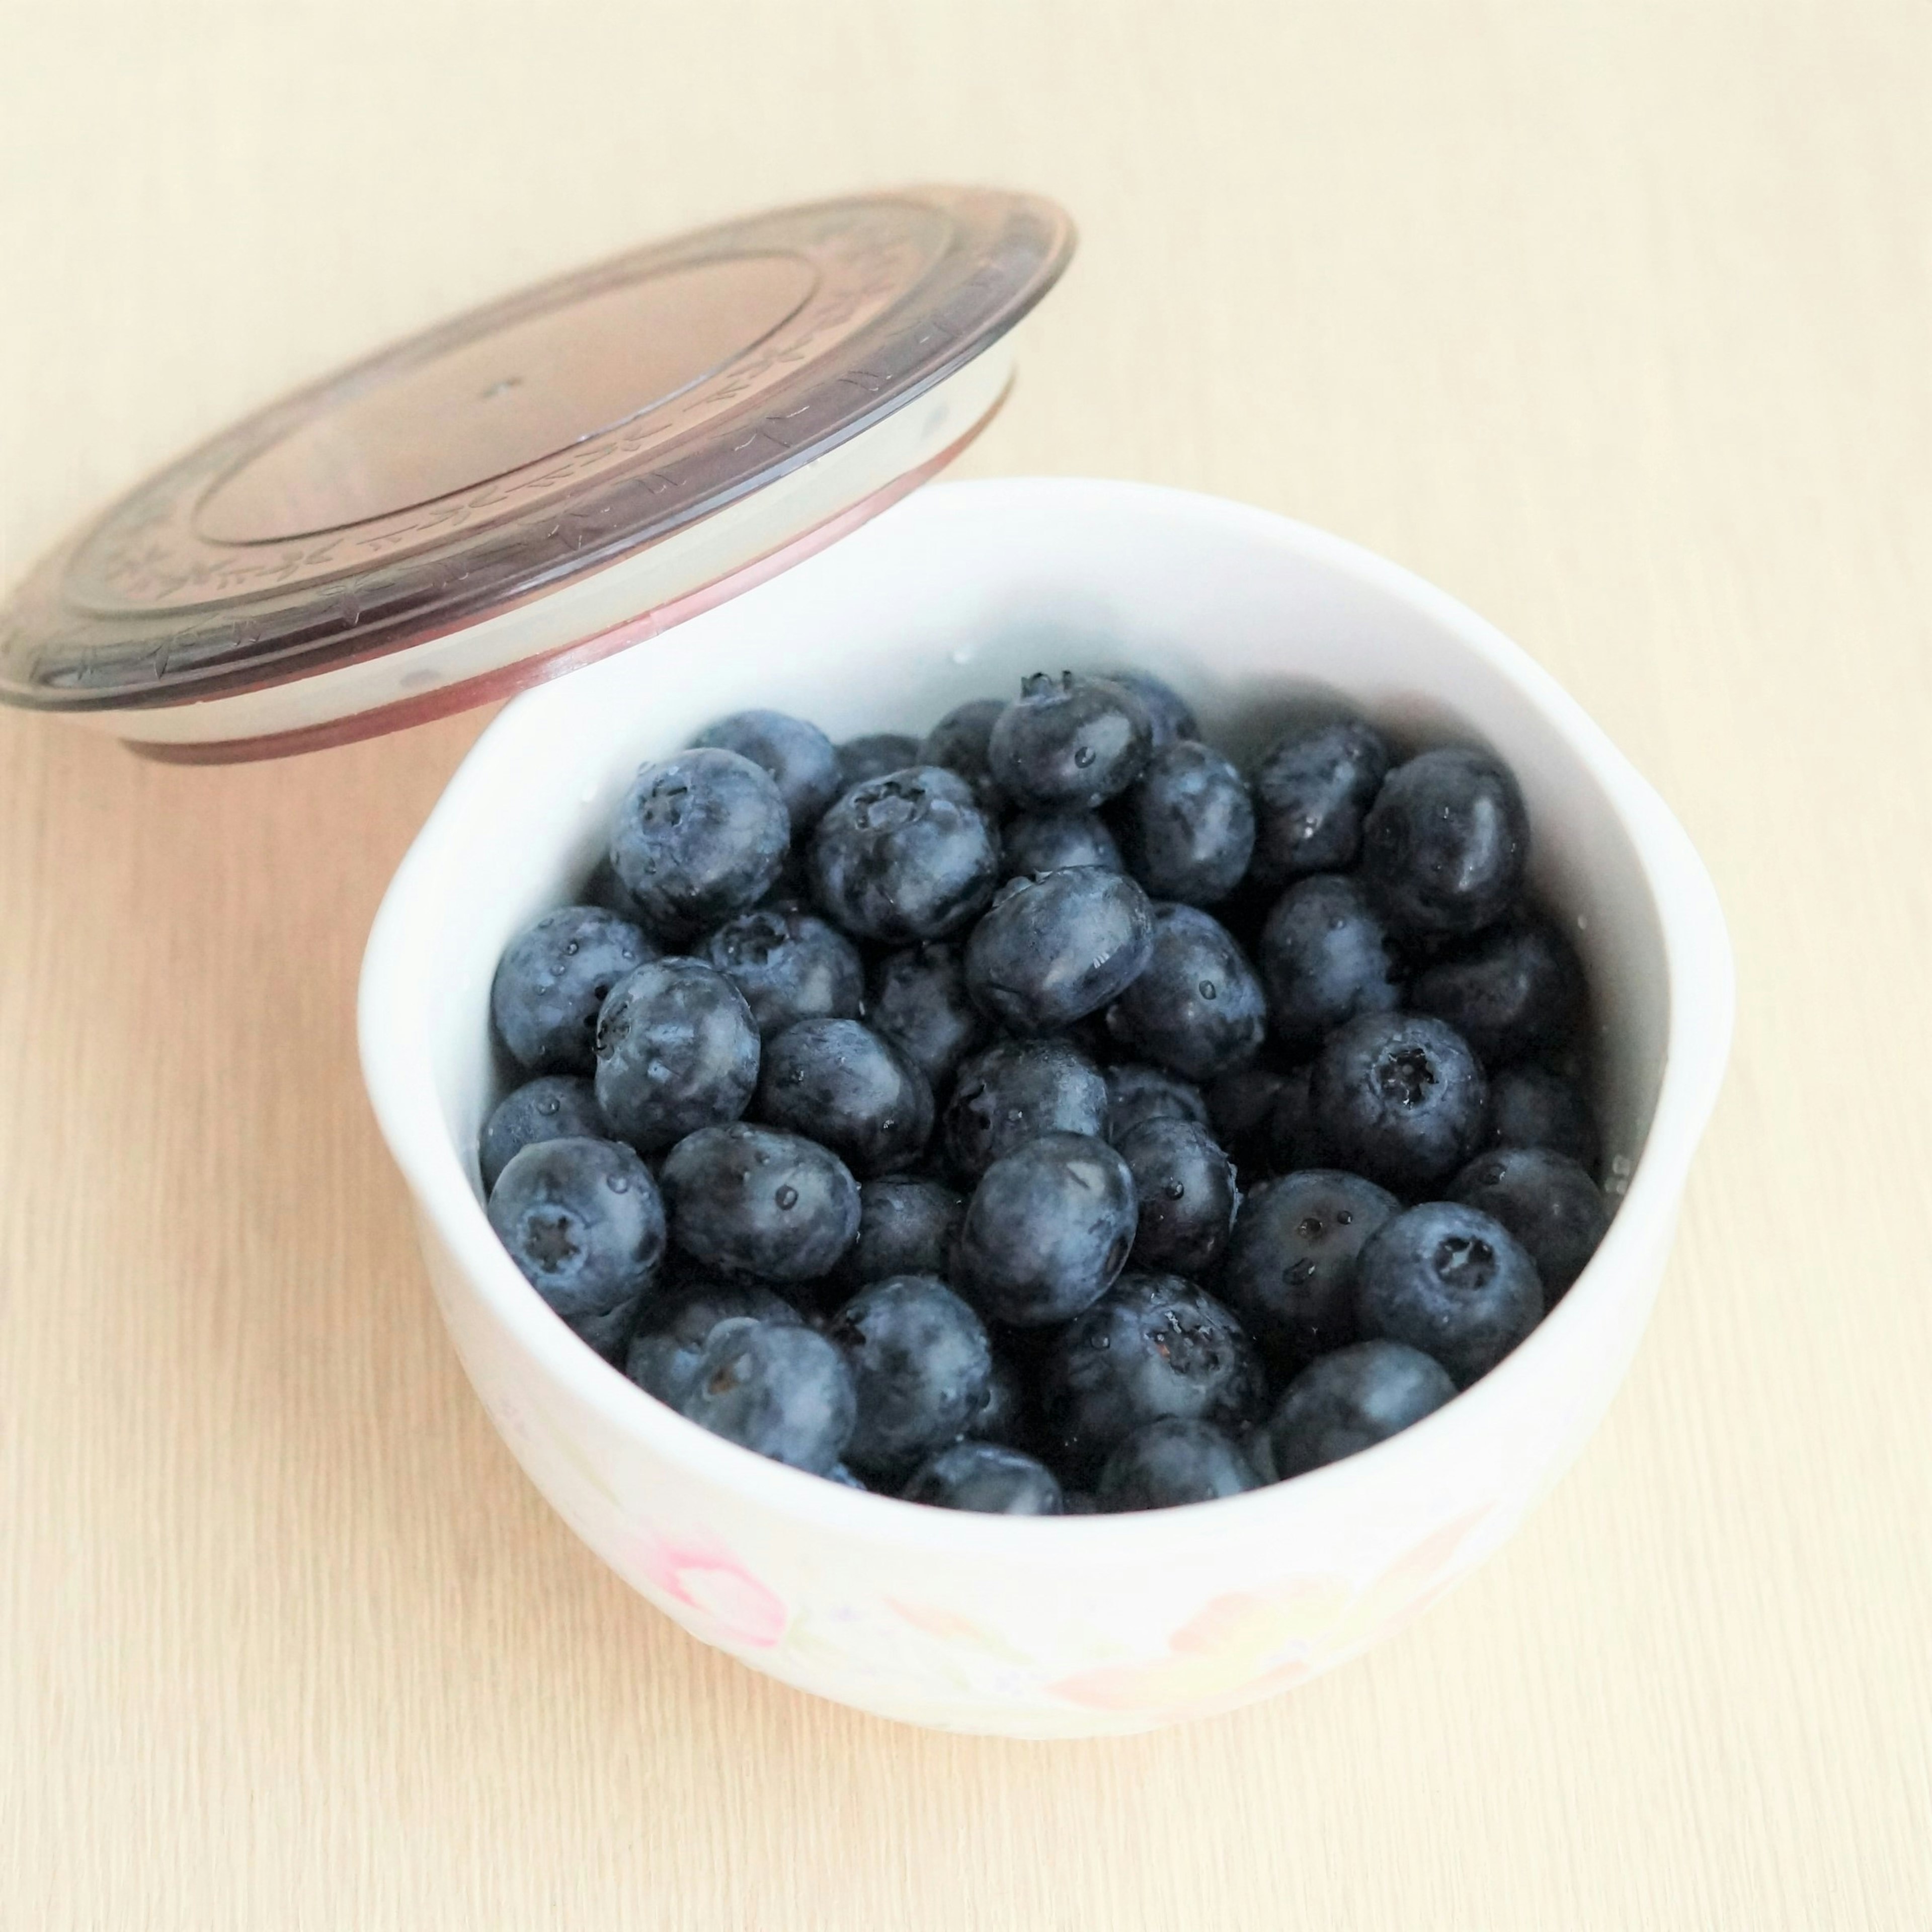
[(1700, 994)]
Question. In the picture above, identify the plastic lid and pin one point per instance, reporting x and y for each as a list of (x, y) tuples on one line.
[(537, 484)]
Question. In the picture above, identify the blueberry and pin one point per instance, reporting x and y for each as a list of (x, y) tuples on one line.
[(1291, 1263), (700, 836), (1450, 1281), (920, 1004), (1153, 1346), (676, 1050), (1051, 950), (789, 965), (1069, 743), (553, 1107), (603, 888), (1198, 1009), (1515, 992), (1292, 1141), (1014, 1090), (906, 1226), (1346, 1402), (1079, 1502), (553, 978), (958, 742), (1311, 792), (1003, 1416), (986, 1477), (663, 1356), (849, 1090), (1137, 1092), (582, 1220), (1187, 1194), (1055, 841), (845, 1477), (754, 1202), (1240, 1109), (1171, 1462), (920, 1360), (776, 1387), (907, 857), (799, 757), (1399, 1097), (1168, 712), (1324, 958), (873, 756), (1047, 1230), (1530, 1106), (1187, 825), (1547, 1200), (1444, 845)]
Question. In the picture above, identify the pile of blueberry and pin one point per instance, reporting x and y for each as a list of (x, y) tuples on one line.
[(901, 1110)]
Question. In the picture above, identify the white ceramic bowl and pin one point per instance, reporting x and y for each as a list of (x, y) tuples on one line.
[(1047, 1627)]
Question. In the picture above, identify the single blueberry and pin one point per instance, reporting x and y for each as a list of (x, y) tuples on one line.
[(1014, 1090), (920, 1361), (908, 857), (1005, 1416), (1137, 1092), (676, 1050), (1168, 712), (986, 1477), (789, 965), (1187, 825), (1530, 1106), (873, 756), (1451, 1281), (1399, 1097), (1069, 743), (754, 1202), (840, 1083), (1197, 1009), (1292, 1261), (1292, 1141), (776, 1387), (1325, 957), (1051, 950), (1153, 1346), (1172, 1462), (553, 1107), (1187, 1193), (1048, 1228), (582, 1220), (700, 836), (1516, 992), (1056, 841), (1547, 1200), (552, 978), (1346, 1402), (663, 1356), (799, 757), (920, 1004), (1311, 792), (907, 1224), (1445, 843), (1240, 1111), (958, 742)]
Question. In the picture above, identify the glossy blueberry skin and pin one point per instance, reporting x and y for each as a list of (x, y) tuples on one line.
[(1187, 1194), (1069, 743), (1292, 1141), (875, 754), (676, 1050), (1056, 841), (1445, 843), (799, 757), (1240, 1111), (1516, 992), (907, 1224), (1530, 1106), (920, 1362), (553, 1107), (1187, 825), (1197, 1008), (1346, 1402), (840, 1083), (1325, 956), (1547, 1200), (552, 980), (1137, 1092), (1050, 950), (1014, 1090), (789, 965), (986, 1477), (1451, 1281), (1168, 712), (776, 1387), (1311, 792), (753, 1201), (920, 1004), (1154, 1346), (905, 857), (1172, 1462), (1005, 1416), (664, 1354), (958, 742), (582, 1220), (700, 836), (1292, 1263), (1048, 1228), (1399, 1098)]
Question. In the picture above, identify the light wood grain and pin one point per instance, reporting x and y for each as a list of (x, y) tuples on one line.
[(1613, 320)]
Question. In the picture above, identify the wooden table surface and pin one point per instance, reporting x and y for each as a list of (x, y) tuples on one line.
[(1616, 321)]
